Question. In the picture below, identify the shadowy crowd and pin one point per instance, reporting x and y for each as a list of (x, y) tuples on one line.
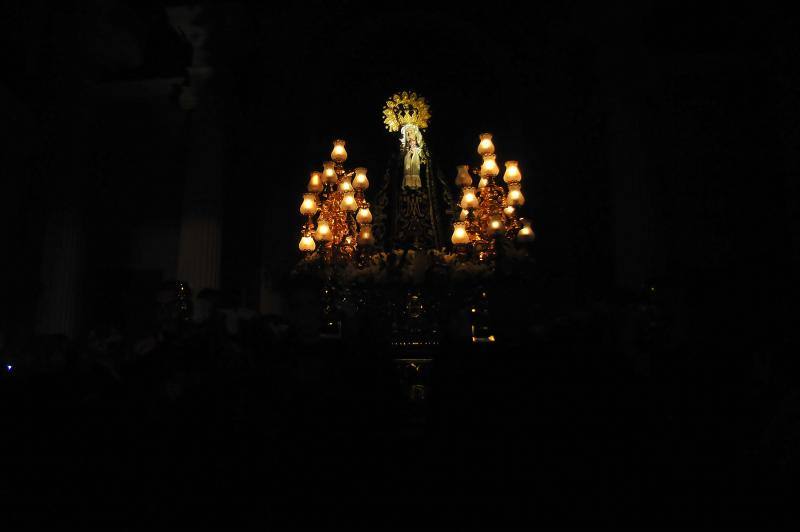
[(605, 414)]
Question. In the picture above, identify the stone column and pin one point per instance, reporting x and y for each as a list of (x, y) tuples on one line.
[(270, 300), (199, 248), (62, 265), (65, 163), (630, 193), (623, 70)]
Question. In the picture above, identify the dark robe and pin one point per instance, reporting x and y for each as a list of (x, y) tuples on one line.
[(412, 218)]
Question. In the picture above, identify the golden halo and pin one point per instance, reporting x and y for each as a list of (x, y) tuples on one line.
[(406, 108)]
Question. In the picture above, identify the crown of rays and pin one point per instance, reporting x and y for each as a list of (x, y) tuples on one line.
[(406, 108)]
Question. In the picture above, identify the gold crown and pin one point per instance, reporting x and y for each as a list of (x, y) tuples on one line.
[(406, 108)]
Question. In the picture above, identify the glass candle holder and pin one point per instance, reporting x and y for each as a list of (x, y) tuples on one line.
[(338, 154), (525, 234), (360, 181), (364, 215), (460, 235), (348, 202), (323, 232), (489, 167), (485, 146), (463, 179), (365, 236), (512, 175), (329, 172), (515, 197), (315, 182), (309, 205), (496, 226), (469, 200), (345, 185), (307, 244)]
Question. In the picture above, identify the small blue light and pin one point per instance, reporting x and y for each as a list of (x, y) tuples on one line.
[(10, 368)]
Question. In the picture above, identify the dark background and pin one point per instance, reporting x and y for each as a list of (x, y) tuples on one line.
[(654, 137), (657, 141)]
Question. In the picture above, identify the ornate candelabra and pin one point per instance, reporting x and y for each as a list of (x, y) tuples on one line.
[(339, 222), (489, 212)]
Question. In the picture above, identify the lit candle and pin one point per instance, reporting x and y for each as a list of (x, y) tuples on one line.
[(486, 146), (364, 216), (309, 205), (469, 200), (463, 179), (489, 167), (315, 182), (328, 172), (323, 232), (509, 211), (348, 202), (307, 244), (339, 154), (483, 182), (512, 175), (515, 196), (361, 182), (460, 235)]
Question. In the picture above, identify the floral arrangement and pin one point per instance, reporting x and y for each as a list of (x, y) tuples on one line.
[(409, 266)]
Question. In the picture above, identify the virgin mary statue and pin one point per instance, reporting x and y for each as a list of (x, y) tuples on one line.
[(413, 203), (411, 141)]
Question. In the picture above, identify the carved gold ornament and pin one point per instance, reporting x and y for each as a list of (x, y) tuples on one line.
[(406, 108)]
